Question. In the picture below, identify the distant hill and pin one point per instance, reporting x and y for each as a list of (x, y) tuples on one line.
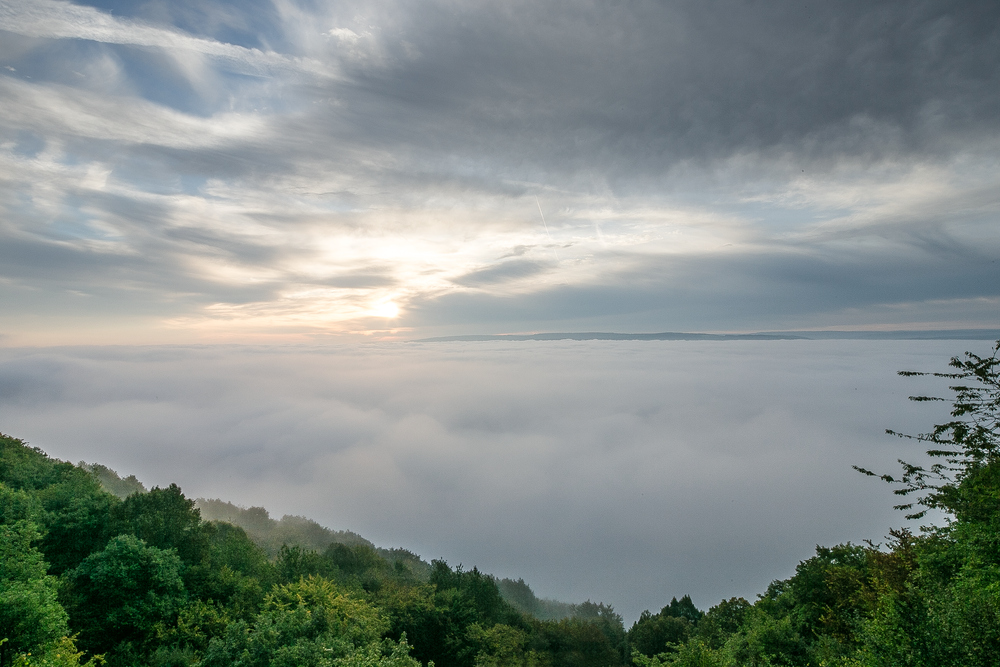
[(940, 334), (298, 531), (270, 534), (520, 595), (598, 335), (123, 487)]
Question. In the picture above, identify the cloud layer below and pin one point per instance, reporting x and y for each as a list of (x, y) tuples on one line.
[(627, 472)]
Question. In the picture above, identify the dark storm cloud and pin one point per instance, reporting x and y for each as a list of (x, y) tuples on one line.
[(541, 91), (633, 88)]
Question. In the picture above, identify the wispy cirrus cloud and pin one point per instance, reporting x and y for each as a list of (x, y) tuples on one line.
[(57, 110), (54, 19)]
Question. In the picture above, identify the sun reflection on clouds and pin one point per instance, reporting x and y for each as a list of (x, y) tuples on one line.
[(338, 277)]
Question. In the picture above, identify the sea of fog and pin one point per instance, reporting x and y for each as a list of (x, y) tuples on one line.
[(617, 471)]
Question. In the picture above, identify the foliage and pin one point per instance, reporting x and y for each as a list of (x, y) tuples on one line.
[(520, 596), (575, 642), (111, 481), (385, 653), (308, 623), (270, 534), (30, 614), (964, 483), (652, 634), (118, 595), (75, 511), (60, 653), (165, 519), (692, 653), (721, 621)]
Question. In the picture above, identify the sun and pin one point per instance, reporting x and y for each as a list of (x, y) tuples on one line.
[(386, 309)]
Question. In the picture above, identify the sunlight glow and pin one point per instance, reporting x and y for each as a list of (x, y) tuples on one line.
[(387, 309)]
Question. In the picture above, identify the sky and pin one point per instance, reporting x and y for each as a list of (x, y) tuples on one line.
[(197, 171), (222, 225), (627, 472)]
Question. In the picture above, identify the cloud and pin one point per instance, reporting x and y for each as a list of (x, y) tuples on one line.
[(51, 19), (735, 166), (628, 472), (509, 270), (630, 93), (59, 110)]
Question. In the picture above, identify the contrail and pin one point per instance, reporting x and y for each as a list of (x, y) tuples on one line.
[(543, 218), (555, 254)]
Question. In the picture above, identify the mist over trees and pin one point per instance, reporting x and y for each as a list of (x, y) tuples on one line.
[(96, 569), (271, 534)]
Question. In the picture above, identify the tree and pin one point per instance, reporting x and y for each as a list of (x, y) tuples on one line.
[(310, 623), (119, 594), (964, 482), (722, 620), (165, 519), (939, 593), (75, 518), (31, 617), (652, 633)]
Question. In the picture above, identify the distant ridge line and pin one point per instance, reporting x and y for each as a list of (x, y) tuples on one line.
[(599, 335), (943, 334)]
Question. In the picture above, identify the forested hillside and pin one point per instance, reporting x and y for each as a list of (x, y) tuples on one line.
[(144, 579), (95, 569)]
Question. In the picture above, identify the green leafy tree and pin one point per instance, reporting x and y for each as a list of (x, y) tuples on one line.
[(503, 646), (31, 617), (295, 562), (963, 482), (608, 621), (165, 519), (310, 623), (654, 633), (198, 622), (763, 640), (722, 621), (75, 517), (236, 573), (459, 599), (939, 593), (18, 505), (574, 642), (123, 487), (386, 653), (230, 546), (355, 559), (60, 653), (692, 653), (119, 595)]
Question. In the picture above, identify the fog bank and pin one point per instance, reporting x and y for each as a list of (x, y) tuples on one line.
[(621, 471)]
